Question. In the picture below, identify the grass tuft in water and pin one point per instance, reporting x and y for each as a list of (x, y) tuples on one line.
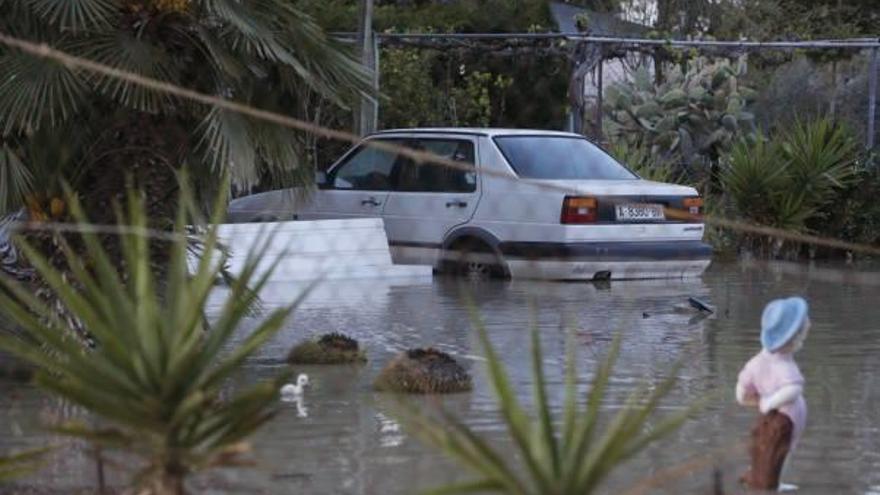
[(423, 371), (331, 348)]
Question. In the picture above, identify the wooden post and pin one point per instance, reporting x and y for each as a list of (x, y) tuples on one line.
[(872, 98), (366, 118)]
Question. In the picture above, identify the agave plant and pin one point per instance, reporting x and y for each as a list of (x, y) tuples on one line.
[(571, 459), (786, 180), (256, 52), (158, 377), (754, 176), (821, 155)]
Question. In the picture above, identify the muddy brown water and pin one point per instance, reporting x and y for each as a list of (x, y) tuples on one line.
[(343, 438)]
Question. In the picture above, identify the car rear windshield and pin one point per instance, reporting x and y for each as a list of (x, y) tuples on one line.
[(560, 158)]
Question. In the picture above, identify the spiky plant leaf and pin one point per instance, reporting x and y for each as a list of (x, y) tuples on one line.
[(570, 460), (821, 154), (19, 464), (158, 374)]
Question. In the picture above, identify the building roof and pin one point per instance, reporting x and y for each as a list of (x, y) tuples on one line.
[(598, 23)]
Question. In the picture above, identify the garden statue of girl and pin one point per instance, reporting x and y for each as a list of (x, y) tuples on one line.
[(772, 381)]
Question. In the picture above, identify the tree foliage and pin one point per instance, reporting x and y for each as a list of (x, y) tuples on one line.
[(257, 52)]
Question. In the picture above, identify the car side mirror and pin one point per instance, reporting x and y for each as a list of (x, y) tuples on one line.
[(321, 179)]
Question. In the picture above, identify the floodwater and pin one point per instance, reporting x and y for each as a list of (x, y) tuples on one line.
[(342, 438)]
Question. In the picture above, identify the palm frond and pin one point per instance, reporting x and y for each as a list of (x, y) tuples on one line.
[(75, 15), (127, 52), (226, 144), (35, 91), (277, 31), (15, 181), (251, 151)]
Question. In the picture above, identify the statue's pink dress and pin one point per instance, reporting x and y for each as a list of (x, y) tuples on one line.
[(766, 373)]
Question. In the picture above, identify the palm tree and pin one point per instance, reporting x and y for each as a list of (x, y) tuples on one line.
[(103, 134)]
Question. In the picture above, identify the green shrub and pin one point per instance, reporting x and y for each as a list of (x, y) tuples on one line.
[(789, 180), (855, 213), (571, 459), (641, 160), (158, 378)]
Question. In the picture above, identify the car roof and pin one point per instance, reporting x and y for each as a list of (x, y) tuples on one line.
[(479, 131)]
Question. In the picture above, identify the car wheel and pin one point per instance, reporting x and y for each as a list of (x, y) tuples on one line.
[(475, 261)]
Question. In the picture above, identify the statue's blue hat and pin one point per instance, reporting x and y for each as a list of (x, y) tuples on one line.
[(781, 321)]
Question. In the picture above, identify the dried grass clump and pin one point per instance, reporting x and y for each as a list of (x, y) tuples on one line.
[(423, 371), (331, 348)]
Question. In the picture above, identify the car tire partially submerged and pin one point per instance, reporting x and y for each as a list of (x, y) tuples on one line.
[(331, 348), (423, 371)]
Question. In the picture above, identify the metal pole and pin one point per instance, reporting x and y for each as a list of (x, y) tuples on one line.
[(375, 100), (599, 101), (872, 98), (365, 118)]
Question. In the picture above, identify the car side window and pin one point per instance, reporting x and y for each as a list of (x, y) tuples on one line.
[(411, 176), (367, 169)]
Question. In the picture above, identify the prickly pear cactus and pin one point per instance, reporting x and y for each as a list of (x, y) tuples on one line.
[(693, 117)]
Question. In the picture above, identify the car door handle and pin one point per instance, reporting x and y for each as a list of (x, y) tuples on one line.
[(459, 203), (371, 202)]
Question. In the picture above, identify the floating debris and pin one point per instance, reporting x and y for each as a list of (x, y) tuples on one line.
[(694, 304), (700, 305), (331, 348), (423, 371)]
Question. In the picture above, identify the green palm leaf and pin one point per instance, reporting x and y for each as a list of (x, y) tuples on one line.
[(16, 179), (75, 15), (130, 53), (35, 91), (277, 31)]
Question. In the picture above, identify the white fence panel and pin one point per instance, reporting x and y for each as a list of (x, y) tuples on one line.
[(321, 249)]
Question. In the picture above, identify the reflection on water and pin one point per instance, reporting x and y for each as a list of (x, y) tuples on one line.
[(343, 438)]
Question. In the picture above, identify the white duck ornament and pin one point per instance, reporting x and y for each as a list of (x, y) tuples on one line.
[(292, 391)]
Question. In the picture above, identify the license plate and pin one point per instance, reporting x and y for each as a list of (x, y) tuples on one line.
[(631, 213)]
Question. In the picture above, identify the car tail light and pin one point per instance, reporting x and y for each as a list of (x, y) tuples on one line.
[(693, 206), (578, 209)]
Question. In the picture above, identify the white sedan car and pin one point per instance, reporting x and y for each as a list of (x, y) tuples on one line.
[(525, 203)]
